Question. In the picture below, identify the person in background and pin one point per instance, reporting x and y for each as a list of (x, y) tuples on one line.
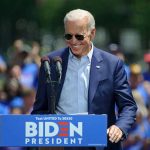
[(116, 50), (92, 81), (16, 106), (3, 65), (138, 134), (146, 74), (29, 97), (139, 85)]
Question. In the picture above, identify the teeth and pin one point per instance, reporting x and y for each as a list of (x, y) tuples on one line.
[(76, 46)]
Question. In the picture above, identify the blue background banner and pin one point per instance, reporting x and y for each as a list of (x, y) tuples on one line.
[(53, 130)]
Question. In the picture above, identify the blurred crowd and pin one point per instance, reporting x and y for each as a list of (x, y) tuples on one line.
[(19, 79), (139, 80)]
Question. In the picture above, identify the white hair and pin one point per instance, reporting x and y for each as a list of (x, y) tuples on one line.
[(78, 14)]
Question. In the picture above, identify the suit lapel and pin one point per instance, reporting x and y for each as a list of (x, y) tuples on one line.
[(97, 73)]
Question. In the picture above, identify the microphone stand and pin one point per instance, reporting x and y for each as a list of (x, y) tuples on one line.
[(53, 85), (53, 97), (50, 82), (52, 105)]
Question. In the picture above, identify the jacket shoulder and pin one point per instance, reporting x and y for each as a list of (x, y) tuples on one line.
[(106, 56)]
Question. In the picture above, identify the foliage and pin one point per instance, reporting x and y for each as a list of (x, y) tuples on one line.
[(48, 15)]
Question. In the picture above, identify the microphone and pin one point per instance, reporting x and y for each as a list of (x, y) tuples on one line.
[(58, 62), (46, 62)]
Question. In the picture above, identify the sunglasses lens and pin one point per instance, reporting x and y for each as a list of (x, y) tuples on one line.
[(79, 37), (68, 36)]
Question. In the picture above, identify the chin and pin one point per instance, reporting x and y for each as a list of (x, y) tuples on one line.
[(76, 54)]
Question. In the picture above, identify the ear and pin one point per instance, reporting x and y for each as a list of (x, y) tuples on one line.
[(93, 31)]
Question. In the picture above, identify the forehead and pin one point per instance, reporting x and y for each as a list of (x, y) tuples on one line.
[(78, 25)]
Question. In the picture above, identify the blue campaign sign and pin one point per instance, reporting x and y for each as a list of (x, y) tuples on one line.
[(53, 130)]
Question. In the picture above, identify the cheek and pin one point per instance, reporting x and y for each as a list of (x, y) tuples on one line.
[(67, 43), (88, 39), (86, 42)]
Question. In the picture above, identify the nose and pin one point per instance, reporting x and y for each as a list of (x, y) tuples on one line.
[(73, 40)]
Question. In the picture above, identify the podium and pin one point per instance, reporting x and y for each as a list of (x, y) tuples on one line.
[(53, 132), (51, 148)]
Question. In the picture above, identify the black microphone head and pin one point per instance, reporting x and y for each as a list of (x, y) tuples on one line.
[(46, 65), (57, 58), (58, 62), (45, 58)]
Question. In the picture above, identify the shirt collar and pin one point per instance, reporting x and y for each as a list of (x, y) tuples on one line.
[(89, 55)]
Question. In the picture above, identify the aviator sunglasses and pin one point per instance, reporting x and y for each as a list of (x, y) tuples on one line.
[(79, 37)]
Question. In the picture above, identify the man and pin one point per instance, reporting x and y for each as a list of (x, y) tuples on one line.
[(92, 80)]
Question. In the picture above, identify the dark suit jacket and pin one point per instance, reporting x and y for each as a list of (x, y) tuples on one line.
[(107, 86)]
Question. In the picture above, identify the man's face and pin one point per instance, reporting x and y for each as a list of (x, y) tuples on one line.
[(79, 27)]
